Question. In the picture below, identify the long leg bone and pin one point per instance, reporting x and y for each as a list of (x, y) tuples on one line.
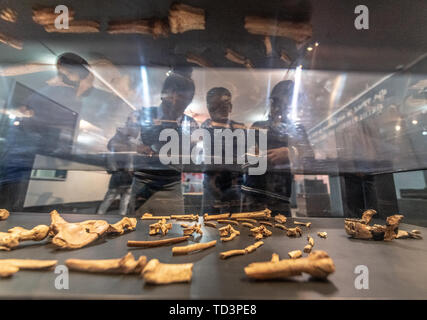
[(248, 249), (10, 266), (184, 18), (237, 58), (149, 216), (192, 217), (154, 27), (162, 273), (207, 217), (156, 243), (264, 214), (193, 247)]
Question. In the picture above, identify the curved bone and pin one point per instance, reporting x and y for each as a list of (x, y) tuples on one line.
[(124, 265)]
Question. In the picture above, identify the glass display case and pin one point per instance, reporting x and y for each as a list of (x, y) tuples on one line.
[(311, 111)]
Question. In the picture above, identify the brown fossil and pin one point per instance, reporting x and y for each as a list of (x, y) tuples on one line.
[(310, 245), (82, 26), (191, 217), (9, 15), (12, 42), (318, 264), (4, 214), (298, 31), (228, 233), (263, 214), (47, 15), (198, 60), (248, 225), (156, 243), (305, 224), (266, 223), (238, 58), (192, 229), (8, 267), (323, 235), (294, 232), (154, 27), (248, 249), (210, 224), (246, 220), (285, 57), (193, 247), (268, 46), (280, 218), (149, 216), (184, 18), (207, 217), (275, 257), (12, 238), (124, 225), (280, 226), (260, 232), (124, 265), (156, 272), (295, 254), (160, 227), (414, 234), (228, 222)]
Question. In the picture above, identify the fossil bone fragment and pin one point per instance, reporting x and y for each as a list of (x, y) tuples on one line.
[(263, 214), (260, 232), (9, 15), (156, 243), (281, 226), (156, 272), (392, 225), (295, 254), (184, 18), (275, 257), (246, 220), (248, 249), (228, 233), (280, 218), (210, 224), (233, 56), (323, 235), (318, 264), (294, 232), (154, 27), (198, 60), (285, 57), (414, 234), (193, 247), (266, 223), (184, 225), (192, 217), (268, 46), (47, 15), (14, 43), (207, 217), (126, 224), (305, 224), (10, 266), (298, 31), (191, 229), (124, 265), (248, 225), (12, 238), (310, 245), (160, 226), (228, 222), (83, 26), (149, 216), (4, 214)]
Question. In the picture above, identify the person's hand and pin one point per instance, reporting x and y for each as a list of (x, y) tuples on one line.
[(278, 155), (146, 150)]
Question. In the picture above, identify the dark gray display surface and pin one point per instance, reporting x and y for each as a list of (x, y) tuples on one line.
[(397, 269)]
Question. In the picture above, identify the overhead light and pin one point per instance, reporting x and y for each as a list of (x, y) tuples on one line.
[(414, 122), (316, 44), (424, 133), (16, 123), (397, 128), (12, 116), (310, 49)]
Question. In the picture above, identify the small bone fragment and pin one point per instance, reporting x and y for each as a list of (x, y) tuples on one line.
[(210, 224), (367, 215), (192, 217), (184, 18), (305, 224), (298, 31), (184, 225), (260, 232), (275, 257), (310, 245), (126, 224), (281, 226), (268, 46), (237, 58), (83, 26), (266, 223), (163, 273), (149, 216), (294, 232), (10, 266), (193, 247), (264, 214), (408, 235), (280, 218), (228, 221), (318, 264), (198, 60), (160, 226), (207, 217), (248, 225), (392, 224), (14, 43), (323, 235), (4, 214), (285, 57), (47, 15), (12, 238), (9, 15), (246, 220), (191, 229), (248, 249), (124, 265), (228, 233), (156, 243), (295, 254), (154, 27)]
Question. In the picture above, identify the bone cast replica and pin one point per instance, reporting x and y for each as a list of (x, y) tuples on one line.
[(233, 56), (162, 273), (184, 18), (264, 214), (198, 60), (280, 218), (248, 249), (8, 267), (149, 216), (193, 247), (318, 264), (359, 228), (228, 222), (246, 220), (154, 27), (260, 232), (295, 254), (124, 265), (322, 235), (248, 225), (191, 217), (124, 225), (160, 227), (228, 233), (305, 224), (12, 42), (298, 31), (210, 224), (156, 243), (310, 245), (192, 229), (12, 238), (9, 15), (4, 214), (207, 217)]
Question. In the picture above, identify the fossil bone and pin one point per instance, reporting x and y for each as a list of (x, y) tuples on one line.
[(207, 217), (263, 214), (12, 238), (285, 57), (280, 218), (184, 18), (192, 217), (238, 58), (260, 232), (305, 224), (318, 264), (210, 224), (4, 214), (268, 46), (275, 257), (310, 245), (126, 224), (191, 229), (228, 222), (414, 234), (298, 31), (228, 233), (47, 15), (124, 265), (156, 243), (248, 249), (323, 235), (266, 223), (83, 26), (14, 43), (156, 272), (246, 220), (10, 266), (294, 232), (198, 60), (149, 216), (193, 247), (155, 27), (160, 226), (248, 225), (295, 254), (9, 15), (281, 226)]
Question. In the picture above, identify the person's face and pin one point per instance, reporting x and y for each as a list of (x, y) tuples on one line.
[(220, 108), (175, 103), (279, 106)]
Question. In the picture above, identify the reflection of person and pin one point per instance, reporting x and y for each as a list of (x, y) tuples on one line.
[(285, 139), (120, 166), (220, 187), (162, 187)]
